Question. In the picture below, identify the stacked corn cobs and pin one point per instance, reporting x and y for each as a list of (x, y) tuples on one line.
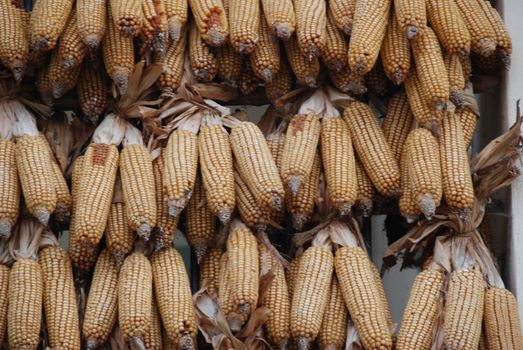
[(331, 158)]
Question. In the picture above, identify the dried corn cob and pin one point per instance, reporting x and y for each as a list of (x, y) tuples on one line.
[(397, 123), (503, 41), (421, 314), (395, 52), (48, 20), (176, 12), (333, 329), (172, 64), (280, 16), (423, 114), (456, 78), (136, 170), (154, 29), (249, 82), (307, 309), (14, 46), (365, 190), (173, 295), (265, 58), (181, 164), (166, 225), (407, 203), (244, 17), (372, 148), (276, 143), (342, 12), (450, 27), (203, 62), (430, 68), (334, 51), (464, 306), (102, 302), (229, 65), (383, 297), (483, 36), (91, 17), (226, 298), (291, 274), (211, 20), (10, 185), (311, 19), (361, 295), (301, 141), (92, 91), (62, 80), (424, 170), (61, 312), (71, 48), (457, 182), (412, 16), (201, 223), (210, 270), (501, 319), (468, 120), (276, 299), (306, 71), (346, 80), (127, 16), (63, 197), (153, 339), (4, 299), (338, 163), (256, 165), (118, 53), (281, 83), (251, 213), (367, 35)]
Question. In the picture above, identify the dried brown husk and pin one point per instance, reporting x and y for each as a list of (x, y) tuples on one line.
[(60, 136)]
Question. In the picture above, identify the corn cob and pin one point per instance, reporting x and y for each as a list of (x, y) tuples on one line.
[(173, 295), (181, 164), (210, 270), (265, 58), (456, 78), (468, 120), (276, 299), (276, 143), (361, 295), (211, 20), (119, 237), (9, 187), (244, 17), (256, 165), (397, 123), (201, 223), (342, 12), (339, 164), (62, 80), (383, 297), (127, 16), (176, 12), (203, 62), (48, 21), (229, 65), (450, 27), (118, 53), (306, 71), (412, 16), (249, 82), (464, 306), (367, 35), (372, 148), (251, 213), (4, 299), (92, 91), (280, 16), (59, 296), (423, 113), (365, 190), (63, 197), (154, 32), (307, 309), (217, 170), (291, 274), (166, 225), (102, 302), (503, 41), (281, 83), (243, 267), (466, 66), (430, 68), (407, 203), (346, 80), (91, 16), (37, 183), (136, 170), (501, 320), (421, 314), (483, 36), (311, 19), (172, 64), (395, 52), (424, 170), (72, 49), (334, 51), (14, 46), (153, 339), (334, 325), (301, 141), (457, 182)]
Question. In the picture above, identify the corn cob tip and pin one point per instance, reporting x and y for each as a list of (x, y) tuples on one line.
[(246, 47), (137, 343), (61, 213), (303, 343), (121, 79), (119, 257), (186, 342), (69, 62), (175, 30), (92, 41), (216, 37), (282, 30), (5, 228), (294, 184), (224, 215), (42, 215), (487, 47), (427, 205), (310, 81), (159, 44), (40, 44), (144, 231), (398, 77), (298, 220), (200, 248), (267, 75), (59, 88), (505, 58), (412, 32), (176, 206), (439, 106), (91, 344), (18, 69), (458, 98), (235, 322), (203, 74), (344, 209), (365, 205)]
